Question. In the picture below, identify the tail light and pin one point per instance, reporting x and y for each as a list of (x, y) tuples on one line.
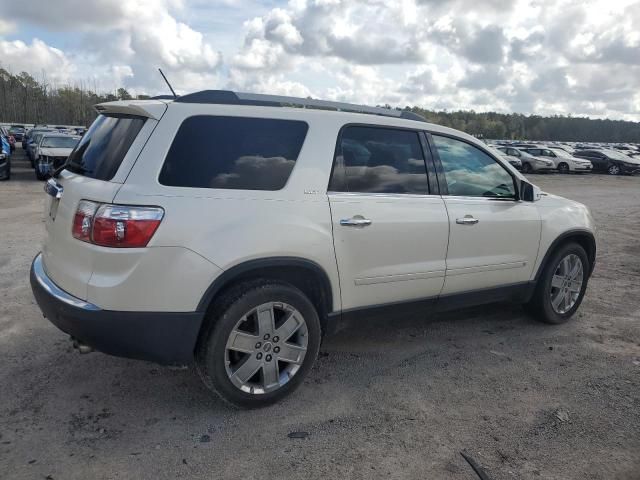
[(115, 225)]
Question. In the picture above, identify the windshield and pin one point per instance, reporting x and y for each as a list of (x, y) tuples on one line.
[(617, 155), (59, 142), (102, 149), (561, 153)]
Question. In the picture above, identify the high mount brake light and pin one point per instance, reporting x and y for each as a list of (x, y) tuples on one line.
[(122, 226)]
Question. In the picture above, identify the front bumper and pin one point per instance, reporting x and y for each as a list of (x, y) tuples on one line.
[(582, 168), (628, 170), (162, 337)]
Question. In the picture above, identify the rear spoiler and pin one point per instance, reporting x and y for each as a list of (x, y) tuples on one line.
[(144, 108)]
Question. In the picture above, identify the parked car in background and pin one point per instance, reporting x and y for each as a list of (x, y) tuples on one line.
[(529, 162), (513, 161), (563, 161), (52, 152), (566, 162), (610, 161), (32, 143), (17, 131), (6, 144), (5, 166)]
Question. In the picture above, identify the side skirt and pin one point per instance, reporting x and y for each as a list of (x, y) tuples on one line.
[(517, 292)]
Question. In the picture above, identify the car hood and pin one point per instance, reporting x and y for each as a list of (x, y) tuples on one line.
[(55, 152)]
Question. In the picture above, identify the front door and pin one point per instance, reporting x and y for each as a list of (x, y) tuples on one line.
[(390, 233), (494, 237)]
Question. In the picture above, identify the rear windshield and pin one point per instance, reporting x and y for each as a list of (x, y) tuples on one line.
[(104, 146), (233, 153)]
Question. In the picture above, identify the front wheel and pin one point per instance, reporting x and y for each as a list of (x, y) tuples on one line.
[(613, 170), (561, 285), (563, 168), (262, 339), (526, 168)]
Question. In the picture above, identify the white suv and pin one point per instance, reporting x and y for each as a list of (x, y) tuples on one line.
[(234, 230)]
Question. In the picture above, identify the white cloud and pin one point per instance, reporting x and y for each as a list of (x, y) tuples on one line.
[(549, 56)]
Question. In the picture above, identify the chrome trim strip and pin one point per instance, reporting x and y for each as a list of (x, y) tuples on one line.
[(399, 277), (486, 268), (332, 193), (46, 283)]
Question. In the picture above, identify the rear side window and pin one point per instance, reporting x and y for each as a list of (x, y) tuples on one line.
[(379, 160), (101, 150), (233, 153)]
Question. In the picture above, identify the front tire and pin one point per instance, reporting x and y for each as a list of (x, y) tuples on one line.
[(563, 168), (561, 286), (613, 170), (526, 168), (261, 341)]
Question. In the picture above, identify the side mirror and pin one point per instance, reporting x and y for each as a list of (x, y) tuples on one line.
[(529, 192)]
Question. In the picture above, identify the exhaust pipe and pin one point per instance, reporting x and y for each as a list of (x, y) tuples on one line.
[(81, 347)]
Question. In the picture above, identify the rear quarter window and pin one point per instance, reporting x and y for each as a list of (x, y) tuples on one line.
[(101, 150), (233, 153)]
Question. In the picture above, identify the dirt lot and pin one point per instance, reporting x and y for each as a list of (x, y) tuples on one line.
[(399, 400)]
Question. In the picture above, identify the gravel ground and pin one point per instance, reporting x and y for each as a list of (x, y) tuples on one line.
[(525, 400)]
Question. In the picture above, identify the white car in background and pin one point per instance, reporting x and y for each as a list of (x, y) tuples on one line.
[(513, 161), (529, 162), (563, 161), (52, 151)]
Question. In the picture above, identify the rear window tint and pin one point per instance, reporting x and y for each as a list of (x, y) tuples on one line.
[(101, 150), (233, 153)]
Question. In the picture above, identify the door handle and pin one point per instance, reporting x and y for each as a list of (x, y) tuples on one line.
[(467, 220), (355, 221)]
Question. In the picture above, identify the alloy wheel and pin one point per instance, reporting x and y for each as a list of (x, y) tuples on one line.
[(566, 283), (614, 170), (563, 168), (266, 348)]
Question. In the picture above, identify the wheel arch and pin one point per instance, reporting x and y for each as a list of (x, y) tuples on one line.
[(584, 238), (302, 273)]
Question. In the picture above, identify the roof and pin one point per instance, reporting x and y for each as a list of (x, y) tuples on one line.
[(227, 97)]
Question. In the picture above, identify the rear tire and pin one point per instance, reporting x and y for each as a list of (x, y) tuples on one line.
[(243, 336), (526, 167), (613, 170), (561, 286)]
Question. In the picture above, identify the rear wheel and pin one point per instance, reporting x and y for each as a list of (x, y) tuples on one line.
[(262, 339), (563, 168), (613, 169), (561, 285), (526, 167)]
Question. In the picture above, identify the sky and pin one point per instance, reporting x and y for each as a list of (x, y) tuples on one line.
[(545, 57)]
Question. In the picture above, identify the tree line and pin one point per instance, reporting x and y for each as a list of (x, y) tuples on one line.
[(25, 99)]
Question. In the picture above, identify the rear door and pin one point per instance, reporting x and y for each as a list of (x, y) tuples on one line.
[(390, 233), (95, 171), (494, 237)]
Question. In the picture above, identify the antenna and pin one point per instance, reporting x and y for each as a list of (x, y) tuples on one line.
[(170, 87)]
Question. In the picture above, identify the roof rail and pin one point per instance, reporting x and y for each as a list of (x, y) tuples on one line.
[(227, 97)]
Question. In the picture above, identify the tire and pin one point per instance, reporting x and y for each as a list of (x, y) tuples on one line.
[(526, 168), (542, 302), (39, 176), (219, 365), (613, 169), (563, 168)]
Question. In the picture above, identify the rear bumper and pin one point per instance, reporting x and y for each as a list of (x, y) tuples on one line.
[(162, 337)]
